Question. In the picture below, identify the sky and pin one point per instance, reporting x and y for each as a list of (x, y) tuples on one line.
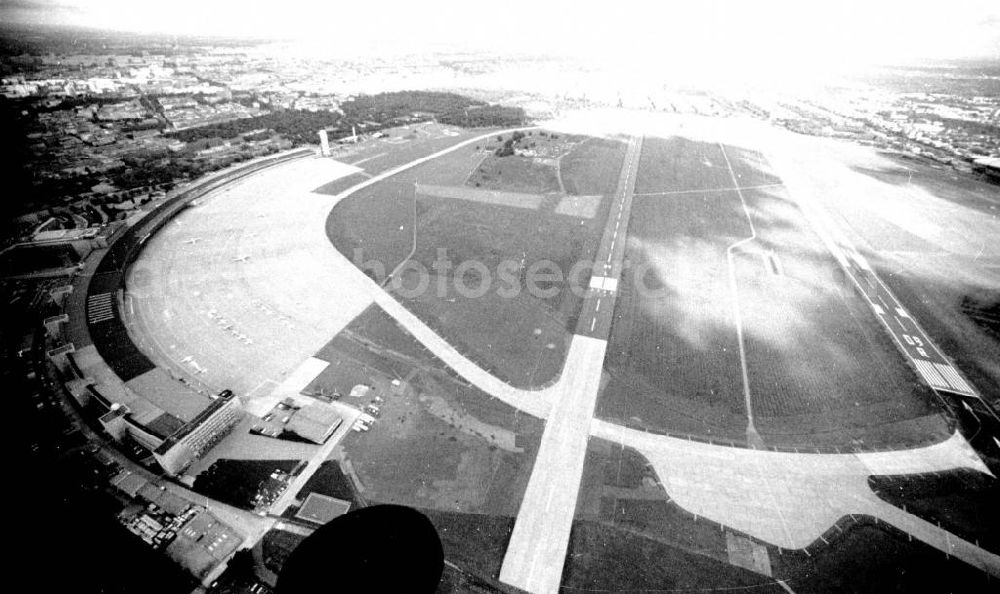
[(642, 33)]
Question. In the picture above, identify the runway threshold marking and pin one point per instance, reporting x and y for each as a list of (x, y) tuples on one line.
[(927, 359)]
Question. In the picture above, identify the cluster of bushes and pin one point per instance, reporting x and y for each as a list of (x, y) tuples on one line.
[(507, 149), (485, 116), (297, 125), (398, 104)]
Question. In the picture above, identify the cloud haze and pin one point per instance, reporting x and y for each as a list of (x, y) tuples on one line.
[(788, 32)]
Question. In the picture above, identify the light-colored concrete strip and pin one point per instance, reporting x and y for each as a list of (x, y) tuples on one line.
[(514, 199), (538, 544), (788, 499)]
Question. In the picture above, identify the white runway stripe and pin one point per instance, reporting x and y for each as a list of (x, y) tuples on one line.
[(954, 378), (931, 374), (603, 283)]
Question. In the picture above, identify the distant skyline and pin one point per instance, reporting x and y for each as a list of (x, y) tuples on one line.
[(769, 35)]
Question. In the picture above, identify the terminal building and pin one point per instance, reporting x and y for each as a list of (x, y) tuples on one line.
[(194, 439), (136, 401), (175, 450)]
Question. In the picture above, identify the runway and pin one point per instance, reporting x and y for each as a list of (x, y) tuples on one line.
[(598, 306), (302, 278), (536, 551), (930, 363), (928, 360)]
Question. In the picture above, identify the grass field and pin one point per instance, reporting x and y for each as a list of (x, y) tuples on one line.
[(813, 347), (414, 457), (821, 370), (521, 339), (874, 558), (535, 169), (629, 536), (678, 164), (439, 444), (621, 490), (474, 542), (515, 174), (592, 167), (928, 231), (611, 559), (277, 546), (378, 225), (530, 349), (330, 480), (673, 355), (962, 502)]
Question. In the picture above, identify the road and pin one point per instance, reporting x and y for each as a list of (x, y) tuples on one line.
[(349, 415), (536, 551)]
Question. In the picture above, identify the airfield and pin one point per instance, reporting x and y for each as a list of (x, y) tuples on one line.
[(735, 335)]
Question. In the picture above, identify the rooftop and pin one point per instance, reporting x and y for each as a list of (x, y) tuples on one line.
[(65, 234), (202, 543), (320, 509), (989, 162), (129, 483), (315, 422)]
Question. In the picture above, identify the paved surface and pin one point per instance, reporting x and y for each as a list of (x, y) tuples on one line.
[(790, 500), (928, 360), (597, 311), (537, 547), (228, 294), (240, 290), (787, 499), (249, 525), (350, 415)]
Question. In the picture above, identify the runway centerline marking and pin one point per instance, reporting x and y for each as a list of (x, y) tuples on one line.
[(536, 551)]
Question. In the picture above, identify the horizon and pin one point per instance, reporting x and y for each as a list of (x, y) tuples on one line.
[(722, 38)]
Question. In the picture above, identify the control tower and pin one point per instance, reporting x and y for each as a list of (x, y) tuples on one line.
[(324, 144)]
